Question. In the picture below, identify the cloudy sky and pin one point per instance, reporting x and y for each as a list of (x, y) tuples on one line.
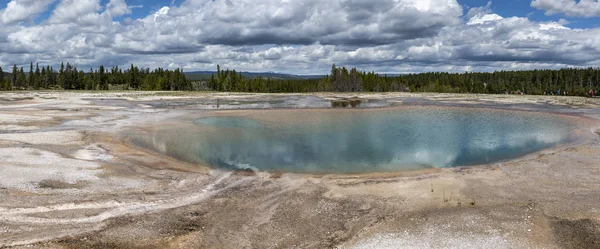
[(303, 36)]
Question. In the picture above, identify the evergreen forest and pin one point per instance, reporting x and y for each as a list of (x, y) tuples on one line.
[(567, 81)]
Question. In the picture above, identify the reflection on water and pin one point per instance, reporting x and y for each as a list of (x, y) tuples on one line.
[(361, 141), (354, 103)]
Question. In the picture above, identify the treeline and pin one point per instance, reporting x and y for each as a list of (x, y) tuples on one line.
[(568, 81), (232, 81), (68, 77)]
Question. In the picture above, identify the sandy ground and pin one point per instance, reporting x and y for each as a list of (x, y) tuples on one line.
[(69, 180)]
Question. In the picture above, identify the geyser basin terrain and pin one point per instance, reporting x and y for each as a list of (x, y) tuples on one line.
[(358, 141)]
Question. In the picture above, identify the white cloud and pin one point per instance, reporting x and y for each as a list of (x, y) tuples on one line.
[(117, 8), (483, 18), (572, 8), (551, 25), (23, 10), (161, 12), (479, 10), (75, 10)]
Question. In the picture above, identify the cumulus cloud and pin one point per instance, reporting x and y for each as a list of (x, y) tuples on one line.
[(117, 8), (483, 18), (487, 9), (75, 10), (351, 22), (295, 36), (572, 8), (23, 10)]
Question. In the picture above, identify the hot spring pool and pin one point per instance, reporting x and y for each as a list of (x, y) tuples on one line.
[(359, 141)]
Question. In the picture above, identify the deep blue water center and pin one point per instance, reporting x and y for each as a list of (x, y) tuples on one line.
[(362, 141)]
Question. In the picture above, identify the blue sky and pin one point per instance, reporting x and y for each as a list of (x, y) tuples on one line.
[(522, 8), (303, 36)]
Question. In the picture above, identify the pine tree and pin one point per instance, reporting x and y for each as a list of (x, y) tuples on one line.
[(22, 79), (66, 77), (4, 84), (61, 74), (212, 84), (30, 76), (103, 85), (14, 76), (334, 73), (89, 83), (81, 80), (37, 77), (53, 78), (44, 79)]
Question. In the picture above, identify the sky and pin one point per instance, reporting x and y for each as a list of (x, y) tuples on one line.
[(303, 36)]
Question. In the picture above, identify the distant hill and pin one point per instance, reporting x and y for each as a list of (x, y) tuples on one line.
[(204, 75)]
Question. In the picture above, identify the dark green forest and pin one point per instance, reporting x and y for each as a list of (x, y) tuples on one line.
[(568, 81), (68, 77)]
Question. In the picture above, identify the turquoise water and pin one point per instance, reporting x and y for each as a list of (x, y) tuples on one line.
[(229, 122), (361, 141)]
